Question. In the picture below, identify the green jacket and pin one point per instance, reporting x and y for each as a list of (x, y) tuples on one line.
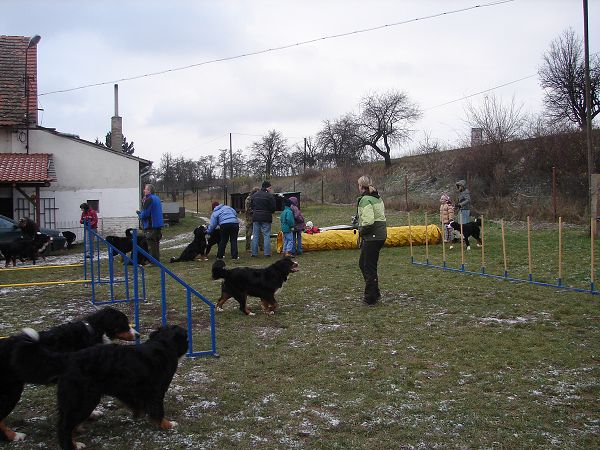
[(371, 217)]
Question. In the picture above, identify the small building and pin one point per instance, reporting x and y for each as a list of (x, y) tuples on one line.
[(45, 174)]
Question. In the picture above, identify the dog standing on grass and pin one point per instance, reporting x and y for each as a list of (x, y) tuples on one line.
[(106, 323), (137, 375), (471, 229)]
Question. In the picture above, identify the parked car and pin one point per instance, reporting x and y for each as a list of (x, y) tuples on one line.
[(9, 231)]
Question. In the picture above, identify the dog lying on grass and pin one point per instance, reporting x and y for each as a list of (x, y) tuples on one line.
[(471, 229)]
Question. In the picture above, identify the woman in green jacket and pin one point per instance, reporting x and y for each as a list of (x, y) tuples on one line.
[(372, 230)]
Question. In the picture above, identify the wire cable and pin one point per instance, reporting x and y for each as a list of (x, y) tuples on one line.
[(283, 47)]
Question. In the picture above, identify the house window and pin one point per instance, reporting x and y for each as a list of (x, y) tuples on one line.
[(47, 211), (94, 204)]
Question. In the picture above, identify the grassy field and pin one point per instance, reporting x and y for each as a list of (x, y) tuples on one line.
[(446, 360)]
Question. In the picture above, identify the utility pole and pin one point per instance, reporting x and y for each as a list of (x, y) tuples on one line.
[(588, 104), (304, 157), (230, 158)]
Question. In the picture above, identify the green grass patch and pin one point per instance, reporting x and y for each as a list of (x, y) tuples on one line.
[(446, 360)]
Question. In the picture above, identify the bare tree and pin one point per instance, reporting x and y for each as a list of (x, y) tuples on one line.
[(385, 120), (430, 149), (340, 141), (562, 76), (269, 154), (500, 124)]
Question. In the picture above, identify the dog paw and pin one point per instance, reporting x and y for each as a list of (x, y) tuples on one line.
[(78, 445), (270, 313), (18, 437), (218, 308), (478, 245), (250, 313), (451, 247), (469, 247)]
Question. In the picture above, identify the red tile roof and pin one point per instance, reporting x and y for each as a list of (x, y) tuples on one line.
[(13, 51), (21, 168)]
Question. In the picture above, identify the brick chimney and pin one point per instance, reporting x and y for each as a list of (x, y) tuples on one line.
[(116, 126)]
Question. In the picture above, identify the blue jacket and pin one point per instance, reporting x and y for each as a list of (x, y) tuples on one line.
[(220, 215), (287, 220), (151, 214)]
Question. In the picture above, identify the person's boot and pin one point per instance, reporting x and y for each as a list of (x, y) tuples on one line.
[(370, 296)]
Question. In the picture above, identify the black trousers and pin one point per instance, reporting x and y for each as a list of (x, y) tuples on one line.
[(369, 257), (229, 233)]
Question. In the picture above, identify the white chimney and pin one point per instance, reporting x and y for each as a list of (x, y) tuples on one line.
[(116, 125)]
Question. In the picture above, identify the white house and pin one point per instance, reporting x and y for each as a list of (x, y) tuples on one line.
[(45, 174)]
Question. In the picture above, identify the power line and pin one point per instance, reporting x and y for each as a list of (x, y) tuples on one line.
[(283, 47), (480, 92)]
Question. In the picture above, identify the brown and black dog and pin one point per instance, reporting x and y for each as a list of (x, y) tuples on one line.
[(240, 282)]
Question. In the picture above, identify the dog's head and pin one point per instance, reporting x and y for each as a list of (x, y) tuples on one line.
[(454, 225), (200, 232), (129, 232), (172, 336), (113, 323), (286, 266)]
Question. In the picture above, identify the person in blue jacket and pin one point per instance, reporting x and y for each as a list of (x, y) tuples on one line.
[(151, 216), (225, 217), (287, 227)]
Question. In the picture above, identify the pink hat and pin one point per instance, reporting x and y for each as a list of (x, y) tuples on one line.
[(444, 198)]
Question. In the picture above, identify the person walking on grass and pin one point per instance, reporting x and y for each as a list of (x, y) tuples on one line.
[(287, 227), (372, 229)]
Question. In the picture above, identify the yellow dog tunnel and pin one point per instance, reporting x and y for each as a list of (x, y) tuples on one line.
[(348, 239)]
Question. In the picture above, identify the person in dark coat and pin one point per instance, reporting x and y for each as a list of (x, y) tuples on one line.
[(263, 206)]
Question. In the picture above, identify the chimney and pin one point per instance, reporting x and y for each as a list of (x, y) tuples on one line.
[(116, 126), (31, 88), (476, 137)]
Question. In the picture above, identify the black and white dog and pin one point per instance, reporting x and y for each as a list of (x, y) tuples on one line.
[(471, 229), (200, 246)]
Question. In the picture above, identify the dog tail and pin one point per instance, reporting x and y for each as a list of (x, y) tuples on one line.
[(219, 270), (34, 363)]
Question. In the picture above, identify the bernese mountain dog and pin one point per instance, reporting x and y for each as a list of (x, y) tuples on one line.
[(137, 375), (471, 229), (240, 282), (91, 330), (200, 246)]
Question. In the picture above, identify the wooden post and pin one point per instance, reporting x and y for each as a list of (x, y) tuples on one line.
[(426, 241), (529, 249), (554, 192), (462, 248), (322, 192), (559, 251), (592, 236), (197, 200), (482, 246), (406, 190), (410, 237), (504, 250)]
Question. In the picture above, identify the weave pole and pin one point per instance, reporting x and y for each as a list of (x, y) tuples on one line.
[(482, 246), (462, 248), (559, 281), (426, 241), (529, 249), (410, 239), (592, 235), (504, 250)]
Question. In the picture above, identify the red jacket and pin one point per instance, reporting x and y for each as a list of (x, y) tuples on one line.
[(313, 230), (91, 216)]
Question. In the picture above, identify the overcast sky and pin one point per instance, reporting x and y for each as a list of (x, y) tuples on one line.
[(433, 57)]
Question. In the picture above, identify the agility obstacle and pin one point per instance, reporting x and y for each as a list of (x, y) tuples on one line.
[(92, 243), (505, 276)]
